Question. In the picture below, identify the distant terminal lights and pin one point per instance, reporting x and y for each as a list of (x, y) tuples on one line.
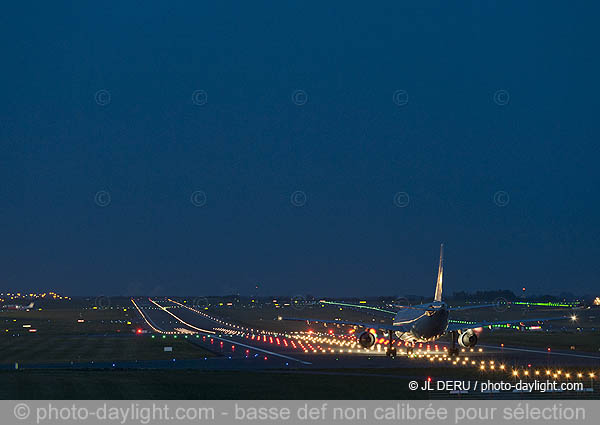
[(43, 295)]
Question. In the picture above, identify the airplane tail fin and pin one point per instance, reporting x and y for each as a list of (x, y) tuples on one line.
[(440, 276)]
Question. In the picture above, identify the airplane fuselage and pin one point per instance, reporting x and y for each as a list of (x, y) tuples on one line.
[(423, 326)]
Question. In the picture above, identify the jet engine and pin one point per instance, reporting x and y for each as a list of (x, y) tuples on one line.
[(467, 339), (366, 339)]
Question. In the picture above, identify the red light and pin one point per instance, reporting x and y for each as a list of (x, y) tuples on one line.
[(429, 379), (330, 331), (139, 331), (548, 348), (523, 288), (266, 357)]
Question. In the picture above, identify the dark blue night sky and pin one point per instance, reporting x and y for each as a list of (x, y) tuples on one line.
[(492, 136)]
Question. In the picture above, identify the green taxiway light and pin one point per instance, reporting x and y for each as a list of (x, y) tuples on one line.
[(547, 304), (358, 306)]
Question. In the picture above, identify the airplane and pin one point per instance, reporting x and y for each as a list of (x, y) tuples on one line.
[(18, 307), (425, 322)]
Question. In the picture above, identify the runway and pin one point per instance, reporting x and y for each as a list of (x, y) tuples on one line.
[(264, 349)]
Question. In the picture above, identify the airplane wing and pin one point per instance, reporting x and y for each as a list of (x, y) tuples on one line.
[(465, 326), (374, 325), (357, 307)]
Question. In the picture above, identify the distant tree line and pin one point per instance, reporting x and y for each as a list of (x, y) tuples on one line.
[(508, 295)]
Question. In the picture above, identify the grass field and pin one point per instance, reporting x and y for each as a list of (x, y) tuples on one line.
[(70, 320), (76, 332), (30, 349), (359, 384), (580, 341), (194, 384)]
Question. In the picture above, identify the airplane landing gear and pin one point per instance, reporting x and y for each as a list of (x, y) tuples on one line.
[(453, 351), (391, 350)]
